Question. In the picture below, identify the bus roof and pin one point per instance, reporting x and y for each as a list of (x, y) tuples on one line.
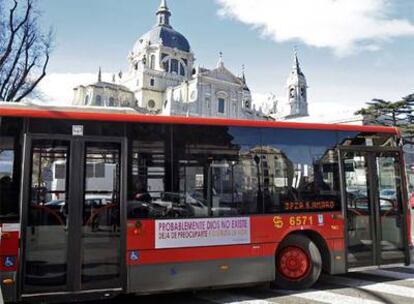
[(28, 110)]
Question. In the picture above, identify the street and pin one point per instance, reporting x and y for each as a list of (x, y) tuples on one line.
[(391, 285)]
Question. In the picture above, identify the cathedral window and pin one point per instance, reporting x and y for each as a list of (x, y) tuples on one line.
[(151, 104), (303, 92), (152, 82), (98, 101), (166, 65), (111, 102), (221, 105), (292, 93), (247, 104), (152, 62), (182, 69), (86, 100), (136, 66), (174, 66)]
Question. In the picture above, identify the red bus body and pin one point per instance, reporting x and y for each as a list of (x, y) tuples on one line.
[(150, 268)]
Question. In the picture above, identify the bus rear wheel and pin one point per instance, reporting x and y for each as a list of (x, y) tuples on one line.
[(298, 263)]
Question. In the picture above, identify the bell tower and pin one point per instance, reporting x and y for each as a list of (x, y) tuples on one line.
[(297, 90), (247, 96)]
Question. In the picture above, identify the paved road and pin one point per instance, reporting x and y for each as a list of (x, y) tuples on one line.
[(391, 285)]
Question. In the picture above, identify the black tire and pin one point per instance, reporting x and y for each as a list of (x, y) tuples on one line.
[(311, 276)]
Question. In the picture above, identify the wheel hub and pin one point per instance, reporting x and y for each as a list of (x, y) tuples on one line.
[(293, 263)]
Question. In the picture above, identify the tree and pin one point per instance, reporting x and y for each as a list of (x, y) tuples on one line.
[(397, 114), (24, 50)]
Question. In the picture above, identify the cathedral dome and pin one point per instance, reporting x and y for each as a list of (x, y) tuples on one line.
[(163, 33), (165, 36)]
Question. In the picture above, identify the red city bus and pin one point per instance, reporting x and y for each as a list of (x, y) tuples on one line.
[(95, 203)]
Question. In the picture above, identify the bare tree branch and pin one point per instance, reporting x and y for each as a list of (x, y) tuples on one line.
[(24, 53), (13, 29), (36, 82), (16, 59)]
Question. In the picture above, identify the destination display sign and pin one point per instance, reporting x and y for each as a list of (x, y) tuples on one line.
[(309, 205)]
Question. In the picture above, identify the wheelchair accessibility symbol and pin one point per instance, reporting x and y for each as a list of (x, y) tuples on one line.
[(8, 262), (134, 256)]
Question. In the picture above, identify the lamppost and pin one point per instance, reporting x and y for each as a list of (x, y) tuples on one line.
[(259, 187), (233, 163)]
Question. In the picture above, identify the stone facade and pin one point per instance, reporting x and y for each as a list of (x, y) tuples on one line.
[(103, 94), (211, 93)]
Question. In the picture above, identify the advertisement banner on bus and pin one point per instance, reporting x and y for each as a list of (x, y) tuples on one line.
[(201, 232)]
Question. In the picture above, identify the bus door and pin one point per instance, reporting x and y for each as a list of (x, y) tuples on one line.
[(373, 195), (71, 238)]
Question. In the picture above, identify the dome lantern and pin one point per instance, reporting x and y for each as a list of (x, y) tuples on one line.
[(163, 33), (163, 15)]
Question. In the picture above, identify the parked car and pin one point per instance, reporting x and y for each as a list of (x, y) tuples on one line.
[(175, 203), (198, 205), (97, 201), (56, 205), (390, 194), (143, 207)]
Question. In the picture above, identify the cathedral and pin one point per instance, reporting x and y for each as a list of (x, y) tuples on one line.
[(163, 79)]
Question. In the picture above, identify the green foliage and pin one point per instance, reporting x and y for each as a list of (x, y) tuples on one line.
[(391, 113)]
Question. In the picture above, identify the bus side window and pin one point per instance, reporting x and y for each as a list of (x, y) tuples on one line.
[(300, 171), (9, 169), (149, 172), (235, 187)]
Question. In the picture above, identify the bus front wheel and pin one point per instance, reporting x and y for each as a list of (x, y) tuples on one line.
[(298, 263)]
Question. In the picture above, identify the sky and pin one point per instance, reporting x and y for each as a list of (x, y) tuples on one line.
[(350, 50)]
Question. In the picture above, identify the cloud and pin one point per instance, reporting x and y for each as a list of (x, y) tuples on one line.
[(345, 26), (57, 88)]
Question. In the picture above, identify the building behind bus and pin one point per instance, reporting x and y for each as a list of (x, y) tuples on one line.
[(164, 79)]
